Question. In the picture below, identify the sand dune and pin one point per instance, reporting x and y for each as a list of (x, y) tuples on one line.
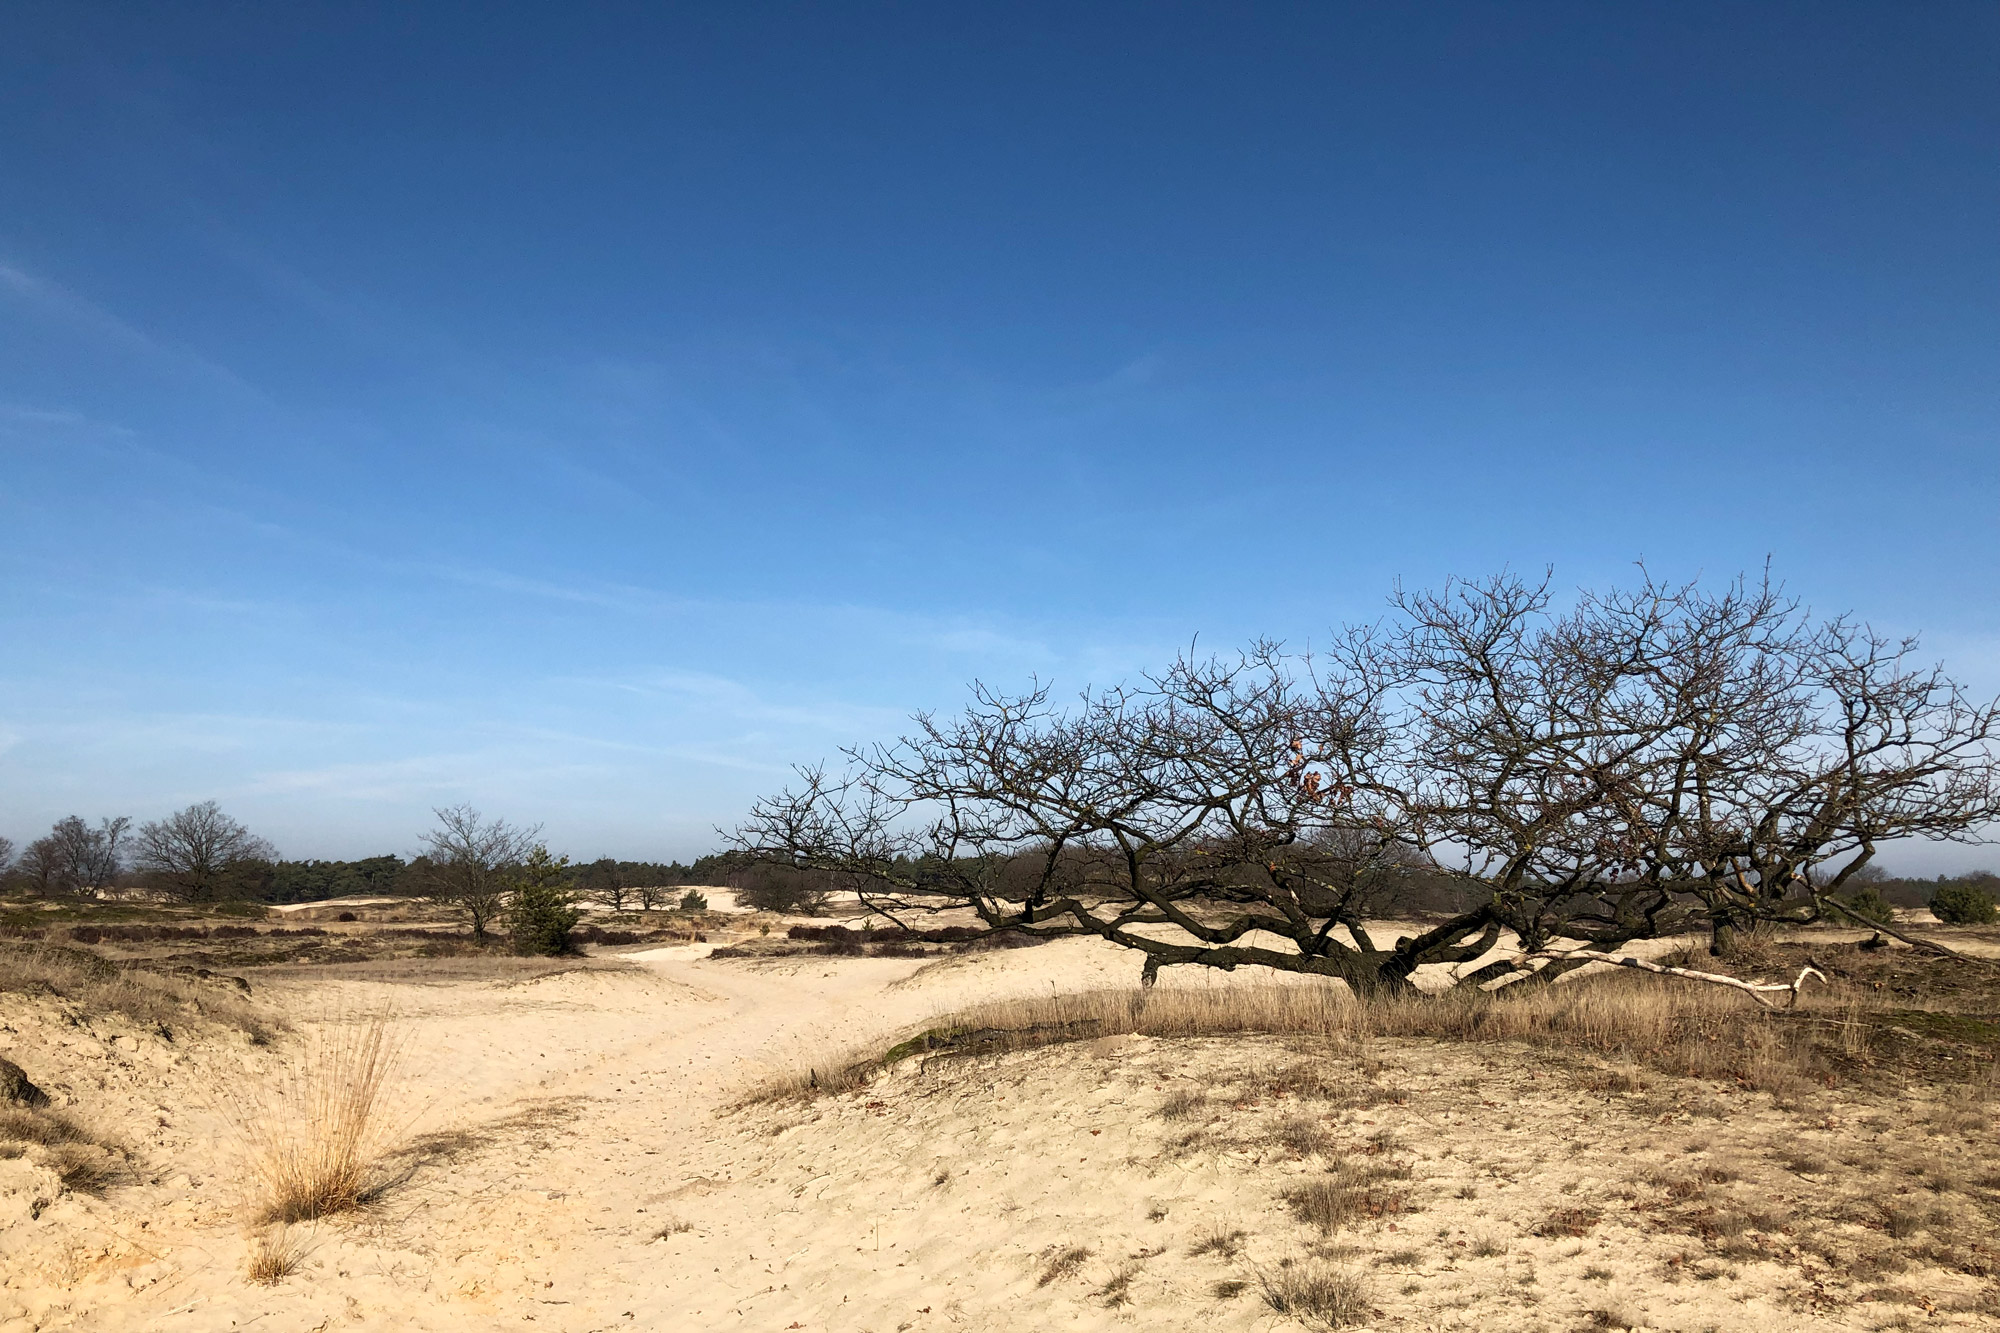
[(572, 1162)]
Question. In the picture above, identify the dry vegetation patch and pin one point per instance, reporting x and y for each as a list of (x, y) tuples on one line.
[(93, 986), (1508, 1151), (317, 1137)]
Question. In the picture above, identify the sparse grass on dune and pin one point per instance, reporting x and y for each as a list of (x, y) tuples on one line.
[(1677, 1028), (154, 999), (83, 1161), (315, 1139)]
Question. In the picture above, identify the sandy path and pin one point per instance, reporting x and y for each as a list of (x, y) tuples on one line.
[(585, 1106)]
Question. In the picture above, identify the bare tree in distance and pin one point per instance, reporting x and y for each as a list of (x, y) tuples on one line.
[(97, 855), (40, 868), (193, 852), (471, 859), (603, 879), (1642, 762), (74, 858)]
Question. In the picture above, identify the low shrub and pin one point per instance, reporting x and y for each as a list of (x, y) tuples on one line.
[(1963, 905), (1870, 904)]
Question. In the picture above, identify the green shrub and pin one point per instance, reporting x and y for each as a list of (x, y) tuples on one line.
[(694, 901), (1869, 903), (1963, 905), (542, 911)]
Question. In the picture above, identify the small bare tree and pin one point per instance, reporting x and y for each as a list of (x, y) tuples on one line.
[(193, 852), (602, 879), (1647, 760), (469, 861)]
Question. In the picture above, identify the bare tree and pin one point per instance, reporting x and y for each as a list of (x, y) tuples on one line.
[(1185, 818), (6, 855), (75, 858), (193, 853), (41, 868), (1647, 760), (603, 879), (470, 860)]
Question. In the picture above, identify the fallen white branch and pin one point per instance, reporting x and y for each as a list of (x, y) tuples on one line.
[(1756, 990)]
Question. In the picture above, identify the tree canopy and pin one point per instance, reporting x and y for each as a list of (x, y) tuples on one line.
[(1642, 761)]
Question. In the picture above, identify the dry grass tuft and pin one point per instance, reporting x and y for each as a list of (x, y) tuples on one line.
[(1302, 1136), (316, 1139), (84, 1163), (1574, 1221), (1315, 1292), (39, 1126), (1221, 1241), (83, 1168), (1066, 1260), (275, 1255), (1183, 1104), (1118, 1291), (672, 1226), (1347, 1194)]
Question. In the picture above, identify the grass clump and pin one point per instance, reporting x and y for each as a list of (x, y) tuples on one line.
[(1347, 1194), (275, 1255), (1574, 1221), (1221, 1241), (81, 1161), (1315, 1292), (315, 1140), (1065, 1260)]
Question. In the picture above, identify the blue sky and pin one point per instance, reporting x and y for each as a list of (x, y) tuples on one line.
[(589, 411)]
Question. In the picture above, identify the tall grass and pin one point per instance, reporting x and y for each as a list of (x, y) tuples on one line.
[(1675, 1027), (316, 1136)]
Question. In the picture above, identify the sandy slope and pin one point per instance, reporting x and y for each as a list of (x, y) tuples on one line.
[(571, 1120)]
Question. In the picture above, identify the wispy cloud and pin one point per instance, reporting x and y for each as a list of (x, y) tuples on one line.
[(66, 308)]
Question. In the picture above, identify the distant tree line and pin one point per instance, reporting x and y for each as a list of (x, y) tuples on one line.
[(201, 854)]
